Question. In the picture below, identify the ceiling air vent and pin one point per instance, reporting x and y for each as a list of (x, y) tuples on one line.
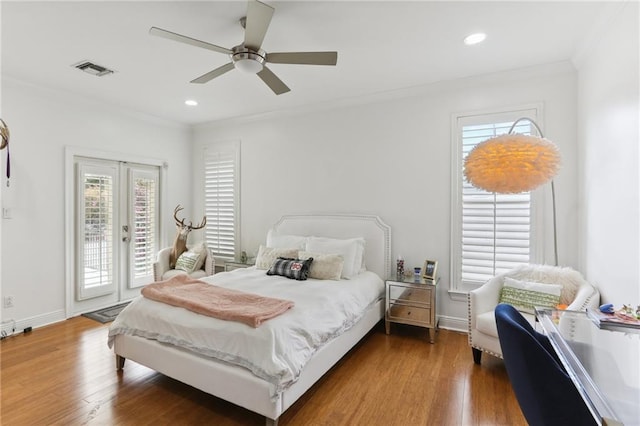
[(93, 69)]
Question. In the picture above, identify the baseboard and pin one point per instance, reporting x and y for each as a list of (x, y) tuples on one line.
[(453, 323), (33, 322), (445, 322)]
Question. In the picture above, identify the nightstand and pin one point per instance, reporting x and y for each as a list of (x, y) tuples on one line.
[(412, 301), (231, 265)]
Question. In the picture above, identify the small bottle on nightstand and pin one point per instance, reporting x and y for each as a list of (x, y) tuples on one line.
[(399, 267)]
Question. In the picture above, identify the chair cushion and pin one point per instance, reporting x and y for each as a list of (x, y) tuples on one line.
[(173, 273), (200, 273), (486, 323)]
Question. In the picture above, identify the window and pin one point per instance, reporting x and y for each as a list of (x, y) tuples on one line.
[(491, 233), (221, 198)]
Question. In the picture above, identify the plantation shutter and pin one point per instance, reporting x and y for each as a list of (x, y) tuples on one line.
[(95, 273), (144, 210), (496, 228), (221, 169)]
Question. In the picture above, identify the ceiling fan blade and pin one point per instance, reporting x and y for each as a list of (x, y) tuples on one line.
[(188, 40), (258, 20), (303, 58), (273, 81), (213, 74)]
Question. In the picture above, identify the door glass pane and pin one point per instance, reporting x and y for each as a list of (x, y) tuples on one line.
[(95, 273), (144, 221)]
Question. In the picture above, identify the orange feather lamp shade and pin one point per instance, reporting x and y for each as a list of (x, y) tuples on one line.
[(512, 163)]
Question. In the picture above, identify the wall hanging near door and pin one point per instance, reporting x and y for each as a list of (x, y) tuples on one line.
[(5, 134)]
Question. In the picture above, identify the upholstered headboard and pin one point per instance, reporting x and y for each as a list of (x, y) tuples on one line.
[(376, 233)]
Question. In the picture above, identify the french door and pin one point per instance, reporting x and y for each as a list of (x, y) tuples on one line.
[(116, 230)]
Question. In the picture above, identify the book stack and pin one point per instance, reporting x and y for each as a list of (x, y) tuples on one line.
[(622, 318)]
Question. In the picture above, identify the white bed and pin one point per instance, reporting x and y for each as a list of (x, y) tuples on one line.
[(248, 390)]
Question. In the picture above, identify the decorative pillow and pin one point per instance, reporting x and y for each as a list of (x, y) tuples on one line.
[(201, 249), (524, 296), (187, 261), (295, 269), (324, 266), (276, 240), (351, 250), (267, 255)]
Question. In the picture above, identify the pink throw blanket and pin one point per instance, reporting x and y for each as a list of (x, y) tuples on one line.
[(214, 301)]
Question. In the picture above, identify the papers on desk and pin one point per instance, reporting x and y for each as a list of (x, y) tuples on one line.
[(613, 320)]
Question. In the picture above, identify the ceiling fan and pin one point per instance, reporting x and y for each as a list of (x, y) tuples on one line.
[(249, 56)]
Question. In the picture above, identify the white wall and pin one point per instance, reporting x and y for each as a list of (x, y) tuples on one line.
[(33, 240), (391, 158), (608, 105)]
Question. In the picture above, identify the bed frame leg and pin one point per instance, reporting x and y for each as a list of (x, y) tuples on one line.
[(270, 422), (120, 362)]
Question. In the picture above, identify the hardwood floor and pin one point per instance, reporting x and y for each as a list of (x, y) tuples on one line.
[(65, 374)]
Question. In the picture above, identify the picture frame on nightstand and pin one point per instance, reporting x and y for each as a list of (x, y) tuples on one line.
[(429, 269)]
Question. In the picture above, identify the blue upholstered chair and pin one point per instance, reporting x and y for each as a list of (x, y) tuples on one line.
[(544, 390)]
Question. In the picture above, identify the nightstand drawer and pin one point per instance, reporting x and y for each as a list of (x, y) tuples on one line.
[(411, 313), (411, 296)]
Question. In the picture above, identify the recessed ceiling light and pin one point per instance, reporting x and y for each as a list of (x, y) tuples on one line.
[(474, 38), (191, 102)]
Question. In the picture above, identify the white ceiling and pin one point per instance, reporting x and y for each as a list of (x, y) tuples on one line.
[(382, 46)]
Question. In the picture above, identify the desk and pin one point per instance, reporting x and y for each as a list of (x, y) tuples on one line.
[(604, 364)]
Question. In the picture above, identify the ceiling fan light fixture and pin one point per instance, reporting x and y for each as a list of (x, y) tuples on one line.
[(250, 66), (247, 60)]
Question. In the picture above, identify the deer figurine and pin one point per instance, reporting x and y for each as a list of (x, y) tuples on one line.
[(180, 243)]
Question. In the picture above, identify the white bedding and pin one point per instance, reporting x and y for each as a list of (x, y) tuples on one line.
[(278, 350)]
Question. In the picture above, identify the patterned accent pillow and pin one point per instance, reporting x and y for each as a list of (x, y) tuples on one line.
[(188, 261), (291, 268), (324, 266), (525, 296), (267, 255)]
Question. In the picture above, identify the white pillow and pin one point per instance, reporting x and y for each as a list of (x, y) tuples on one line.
[(276, 240), (351, 250), (525, 296), (324, 266), (360, 255), (267, 255), (201, 249)]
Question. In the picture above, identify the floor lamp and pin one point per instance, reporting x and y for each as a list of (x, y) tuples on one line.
[(514, 163)]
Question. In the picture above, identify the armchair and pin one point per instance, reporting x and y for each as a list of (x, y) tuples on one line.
[(576, 293), (162, 270)]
